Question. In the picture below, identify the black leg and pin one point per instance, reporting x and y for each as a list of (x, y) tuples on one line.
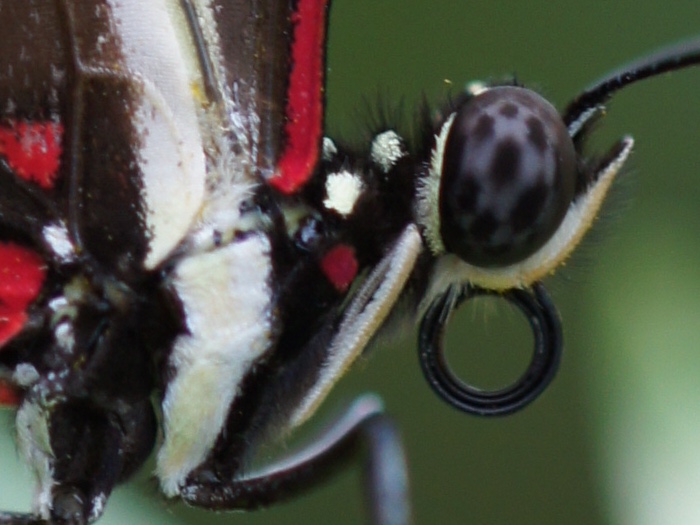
[(13, 518), (92, 451), (362, 428)]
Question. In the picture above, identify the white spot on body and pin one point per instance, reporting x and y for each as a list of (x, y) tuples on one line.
[(63, 334), (329, 149), (342, 191), (25, 375), (58, 303), (56, 236), (386, 150)]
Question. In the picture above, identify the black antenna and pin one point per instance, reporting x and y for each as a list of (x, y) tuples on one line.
[(672, 58)]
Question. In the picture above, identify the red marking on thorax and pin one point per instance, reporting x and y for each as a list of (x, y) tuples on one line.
[(340, 266), (22, 274), (32, 150), (304, 109)]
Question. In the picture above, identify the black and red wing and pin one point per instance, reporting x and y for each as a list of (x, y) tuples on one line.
[(273, 55), (265, 61), (111, 118), (77, 76), (66, 131)]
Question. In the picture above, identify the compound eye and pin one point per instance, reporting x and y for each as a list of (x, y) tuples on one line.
[(508, 177)]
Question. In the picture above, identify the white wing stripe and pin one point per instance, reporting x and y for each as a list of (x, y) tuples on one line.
[(172, 154)]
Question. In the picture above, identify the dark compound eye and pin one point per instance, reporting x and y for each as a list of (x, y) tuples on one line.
[(508, 177)]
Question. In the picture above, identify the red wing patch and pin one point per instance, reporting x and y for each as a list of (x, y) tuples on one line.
[(32, 150), (22, 274), (9, 395), (304, 110), (340, 266)]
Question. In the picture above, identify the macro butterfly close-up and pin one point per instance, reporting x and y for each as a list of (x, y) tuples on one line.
[(386, 262)]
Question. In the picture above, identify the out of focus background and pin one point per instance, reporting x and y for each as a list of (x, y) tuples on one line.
[(616, 439)]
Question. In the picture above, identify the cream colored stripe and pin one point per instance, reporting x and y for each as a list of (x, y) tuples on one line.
[(365, 315)]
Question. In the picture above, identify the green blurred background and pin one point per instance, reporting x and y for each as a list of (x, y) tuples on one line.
[(616, 439)]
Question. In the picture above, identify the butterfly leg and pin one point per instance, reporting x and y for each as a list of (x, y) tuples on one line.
[(79, 452), (13, 518), (362, 429)]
